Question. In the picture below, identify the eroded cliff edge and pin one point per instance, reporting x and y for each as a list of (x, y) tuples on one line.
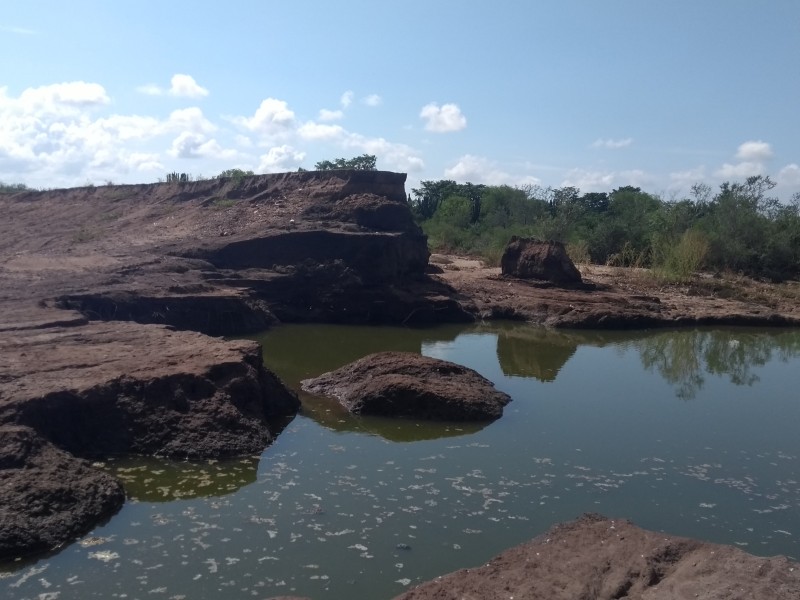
[(107, 294)]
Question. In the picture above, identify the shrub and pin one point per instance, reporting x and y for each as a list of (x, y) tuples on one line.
[(680, 261)]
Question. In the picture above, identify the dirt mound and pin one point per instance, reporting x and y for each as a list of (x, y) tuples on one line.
[(409, 385), (602, 559)]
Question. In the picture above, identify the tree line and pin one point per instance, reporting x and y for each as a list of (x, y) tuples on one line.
[(740, 227)]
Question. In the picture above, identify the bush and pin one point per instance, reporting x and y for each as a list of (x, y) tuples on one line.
[(678, 262)]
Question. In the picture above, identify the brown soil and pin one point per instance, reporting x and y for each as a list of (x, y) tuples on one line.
[(595, 558), (619, 298)]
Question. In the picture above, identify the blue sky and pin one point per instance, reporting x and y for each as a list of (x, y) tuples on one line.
[(595, 94)]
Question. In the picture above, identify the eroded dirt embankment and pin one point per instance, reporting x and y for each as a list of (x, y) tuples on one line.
[(103, 291)]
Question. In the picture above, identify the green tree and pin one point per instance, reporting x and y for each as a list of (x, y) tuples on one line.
[(427, 198), (10, 188), (237, 174), (365, 162), (175, 177)]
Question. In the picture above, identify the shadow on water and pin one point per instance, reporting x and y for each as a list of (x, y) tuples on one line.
[(329, 413)]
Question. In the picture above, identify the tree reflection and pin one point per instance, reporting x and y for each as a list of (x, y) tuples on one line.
[(683, 358)]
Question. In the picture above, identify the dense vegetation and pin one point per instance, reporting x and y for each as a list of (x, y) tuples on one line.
[(365, 162), (10, 188), (740, 228)]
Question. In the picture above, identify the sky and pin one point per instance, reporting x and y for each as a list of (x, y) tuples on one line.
[(585, 93)]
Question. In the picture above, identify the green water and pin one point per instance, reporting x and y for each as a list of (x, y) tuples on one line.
[(693, 432)]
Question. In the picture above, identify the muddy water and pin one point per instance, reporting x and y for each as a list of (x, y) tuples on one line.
[(694, 432)]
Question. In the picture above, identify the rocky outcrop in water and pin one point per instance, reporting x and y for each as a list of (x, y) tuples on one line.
[(47, 496), (602, 559), (409, 385)]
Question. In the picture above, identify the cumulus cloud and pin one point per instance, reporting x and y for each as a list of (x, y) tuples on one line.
[(181, 86), (330, 115), (272, 117), (392, 156), (347, 98), (789, 176), (57, 98), (443, 119), (589, 181), (195, 145), (373, 100), (280, 158), (752, 157), (190, 119), (54, 134), (685, 179), (320, 132), (185, 86), (754, 151), (612, 144), (150, 89), (64, 134), (740, 170), (477, 169)]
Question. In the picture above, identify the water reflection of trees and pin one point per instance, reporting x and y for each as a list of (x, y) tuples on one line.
[(684, 357), (541, 353)]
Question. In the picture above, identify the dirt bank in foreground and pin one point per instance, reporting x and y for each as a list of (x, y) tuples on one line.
[(595, 558)]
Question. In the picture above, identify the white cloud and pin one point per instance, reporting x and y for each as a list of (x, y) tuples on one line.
[(189, 119), (685, 179), (63, 134), (612, 144), (150, 89), (443, 119), (69, 97), (181, 86), (740, 170), (144, 161), (789, 175), (330, 115), (281, 158), (196, 145), (754, 151), (477, 169), (320, 132), (589, 181), (347, 98), (752, 156), (272, 117), (391, 155), (185, 86), (373, 100)]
